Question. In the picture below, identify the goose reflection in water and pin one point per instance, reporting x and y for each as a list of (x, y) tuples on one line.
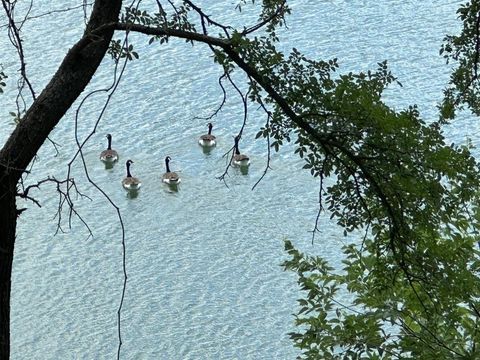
[(132, 194), (207, 150), (243, 170), (172, 188)]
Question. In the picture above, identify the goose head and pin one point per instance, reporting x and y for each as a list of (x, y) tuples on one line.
[(109, 138), (167, 161)]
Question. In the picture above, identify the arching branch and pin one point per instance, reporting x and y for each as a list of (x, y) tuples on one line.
[(327, 142)]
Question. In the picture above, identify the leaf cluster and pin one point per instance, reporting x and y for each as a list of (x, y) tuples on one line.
[(3, 76), (371, 311), (118, 49), (463, 51)]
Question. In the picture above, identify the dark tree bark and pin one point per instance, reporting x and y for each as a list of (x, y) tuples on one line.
[(8, 221), (71, 78)]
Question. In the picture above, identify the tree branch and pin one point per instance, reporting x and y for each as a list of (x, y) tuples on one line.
[(156, 31)]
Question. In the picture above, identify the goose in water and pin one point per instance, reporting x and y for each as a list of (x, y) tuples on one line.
[(170, 177), (208, 139), (239, 159), (130, 182), (109, 155)]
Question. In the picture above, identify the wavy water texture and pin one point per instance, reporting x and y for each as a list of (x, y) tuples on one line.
[(203, 263)]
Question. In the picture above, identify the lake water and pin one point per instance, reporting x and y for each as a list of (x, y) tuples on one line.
[(203, 263)]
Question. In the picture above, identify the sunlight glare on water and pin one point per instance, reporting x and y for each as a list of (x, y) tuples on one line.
[(203, 263)]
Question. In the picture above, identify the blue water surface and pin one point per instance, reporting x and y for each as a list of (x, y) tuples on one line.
[(203, 263)]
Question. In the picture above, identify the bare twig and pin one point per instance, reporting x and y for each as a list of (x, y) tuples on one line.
[(84, 6), (267, 125), (224, 98), (265, 21), (80, 144), (320, 200), (163, 13), (14, 35), (244, 98), (205, 19)]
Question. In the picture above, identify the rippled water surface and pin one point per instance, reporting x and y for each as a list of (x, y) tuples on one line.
[(204, 280)]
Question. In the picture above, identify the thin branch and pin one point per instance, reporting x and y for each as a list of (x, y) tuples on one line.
[(162, 12), (147, 30), (426, 329), (477, 46), (27, 18), (111, 91), (267, 126), (14, 35), (267, 20), (209, 20), (30, 6), (224, 99), (320, 198), (244, 98)]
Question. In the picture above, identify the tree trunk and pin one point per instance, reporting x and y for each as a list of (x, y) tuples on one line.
[(8, 220), (71, 78)]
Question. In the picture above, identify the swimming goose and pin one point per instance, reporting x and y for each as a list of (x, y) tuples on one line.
[(170, 177), (239, 159), (208, 139), (130, 182), (109, 155)]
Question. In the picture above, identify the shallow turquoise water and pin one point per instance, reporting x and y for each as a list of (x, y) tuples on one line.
[(203, 263)]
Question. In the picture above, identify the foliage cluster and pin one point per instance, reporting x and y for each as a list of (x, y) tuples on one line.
[(3, 76), (463, 51)]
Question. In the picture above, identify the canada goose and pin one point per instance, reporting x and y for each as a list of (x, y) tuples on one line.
[(208, 139), (170, 177), (109, 155), (130, 182), (239, 159)]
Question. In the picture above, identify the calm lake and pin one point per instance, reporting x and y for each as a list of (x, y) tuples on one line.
[(203, 263)]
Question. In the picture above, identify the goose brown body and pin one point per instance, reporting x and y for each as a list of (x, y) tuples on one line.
[(208, 139)]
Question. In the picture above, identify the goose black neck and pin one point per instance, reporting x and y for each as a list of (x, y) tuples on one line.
[(128, 170), (210, 126), (167, 160), (237, 151), (109, 138)]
